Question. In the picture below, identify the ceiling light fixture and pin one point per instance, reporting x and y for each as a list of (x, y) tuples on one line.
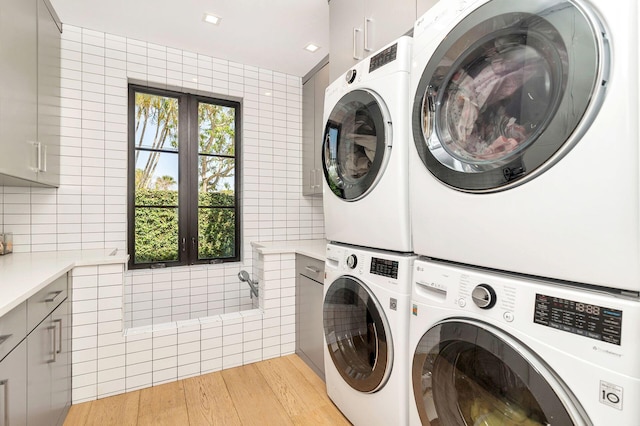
[(311, 47), (212, 19)]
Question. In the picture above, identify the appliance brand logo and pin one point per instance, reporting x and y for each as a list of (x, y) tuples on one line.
[(606, 351)]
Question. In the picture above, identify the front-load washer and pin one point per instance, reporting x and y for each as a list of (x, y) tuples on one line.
[(365, 152), (526, 138), (493, 348), (366, 329)]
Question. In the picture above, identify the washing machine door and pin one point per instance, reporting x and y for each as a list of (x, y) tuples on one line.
[(468, 373), (508, 92), (357, 334), (354, 151)]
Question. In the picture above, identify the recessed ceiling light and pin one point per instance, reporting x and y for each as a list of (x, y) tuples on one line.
[(212, 19), (311, 47)]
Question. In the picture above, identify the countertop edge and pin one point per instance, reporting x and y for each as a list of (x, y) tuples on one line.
[(311, 248)]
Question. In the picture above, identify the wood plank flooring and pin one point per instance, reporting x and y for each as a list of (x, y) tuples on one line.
[(279, 391)]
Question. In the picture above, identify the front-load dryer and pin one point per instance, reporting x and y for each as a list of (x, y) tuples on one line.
[(366, 329), (526, 140), (365, 152), (498, 349)]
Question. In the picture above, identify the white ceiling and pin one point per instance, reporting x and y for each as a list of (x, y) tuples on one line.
[(264, 33)]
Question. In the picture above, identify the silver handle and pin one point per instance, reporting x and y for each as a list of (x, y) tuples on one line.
[(4, 338), (367, 21), (59, 322), (4, 384), (53, 341), (318, 178), (54, 297), (312, 269), (43, 158), (355, 43)]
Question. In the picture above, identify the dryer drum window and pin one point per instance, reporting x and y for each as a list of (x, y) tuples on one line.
[(357, 335), (463, 374), (354, 145), (507, 92)]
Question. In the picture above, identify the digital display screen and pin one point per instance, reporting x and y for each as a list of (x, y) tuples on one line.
[(595, 322), (384, 267), (384, 57)]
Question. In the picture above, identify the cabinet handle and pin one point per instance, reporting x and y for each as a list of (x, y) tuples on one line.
[(367, 21), (312, 179), (319, 172), (355, 43), (4, 384), (312, 269), (55, 358), (59, 322), (4, 338), (54, 297), (41, 157)]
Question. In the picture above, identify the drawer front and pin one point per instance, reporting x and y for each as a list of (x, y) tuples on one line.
[(310, 267), (13, 328), (45, 301)]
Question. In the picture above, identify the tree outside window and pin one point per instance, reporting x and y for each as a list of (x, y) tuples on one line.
[(183, 178)]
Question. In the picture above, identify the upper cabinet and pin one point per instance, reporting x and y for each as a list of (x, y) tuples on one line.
[(360, 27), (312, 130), (29, 93)]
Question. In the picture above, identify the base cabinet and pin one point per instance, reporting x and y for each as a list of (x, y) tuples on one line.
[(13, 387)]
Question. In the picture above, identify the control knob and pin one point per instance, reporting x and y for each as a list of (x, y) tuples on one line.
[(484, 296), (350, 76), (352, 261)]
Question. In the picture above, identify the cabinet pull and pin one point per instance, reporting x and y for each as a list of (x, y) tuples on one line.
[(4, 338), (41, 157), (53, 296), (59, 322), (4, 384), (53, 341), (367, 33), (355, 43), (312, 179), (312, 269), (319, 180)]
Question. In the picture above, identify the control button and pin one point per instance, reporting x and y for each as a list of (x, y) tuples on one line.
[(462, 303), (352, 261), (350, 76), (484, 296), (508, 316)]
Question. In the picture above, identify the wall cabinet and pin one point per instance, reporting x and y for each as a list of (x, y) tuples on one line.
[(35, 359), (29, 93), (360, 27), (309, 324), (312, 130)]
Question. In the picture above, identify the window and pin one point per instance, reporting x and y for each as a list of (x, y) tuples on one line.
[(183, 178)]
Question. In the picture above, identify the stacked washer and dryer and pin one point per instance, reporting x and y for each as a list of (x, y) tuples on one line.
[(525, 208), (369, 260)]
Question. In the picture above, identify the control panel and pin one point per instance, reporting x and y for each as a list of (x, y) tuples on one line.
[(383, 58), (384, 267)]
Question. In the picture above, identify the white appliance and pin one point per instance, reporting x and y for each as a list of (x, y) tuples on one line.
[(365, 152), (489, 348), (366, 329), (526, 141)]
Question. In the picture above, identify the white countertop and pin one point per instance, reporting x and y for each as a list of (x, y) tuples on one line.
[(24, 274), (312, 248)]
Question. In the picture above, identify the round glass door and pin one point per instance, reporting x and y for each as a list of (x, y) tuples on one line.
[(357, 335), (354, 147), (508, 92), (470, 375)]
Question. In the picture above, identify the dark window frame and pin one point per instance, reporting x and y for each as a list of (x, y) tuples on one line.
[(188, 154)]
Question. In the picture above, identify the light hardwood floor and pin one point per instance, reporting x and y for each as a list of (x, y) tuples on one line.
[(279, 391)]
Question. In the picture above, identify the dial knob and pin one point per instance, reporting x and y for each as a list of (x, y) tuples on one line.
[(484, 296), (350, 76), (352, 261)]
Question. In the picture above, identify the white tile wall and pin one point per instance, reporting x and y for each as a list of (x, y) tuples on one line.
[(88, 210)]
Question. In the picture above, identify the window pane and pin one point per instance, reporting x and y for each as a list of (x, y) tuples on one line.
[(217, 130), (156, 179), (156, 122), (216, 181), (156, 235), (216, 233)]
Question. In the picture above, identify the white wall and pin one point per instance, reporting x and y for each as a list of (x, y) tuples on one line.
[(88, 210)]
